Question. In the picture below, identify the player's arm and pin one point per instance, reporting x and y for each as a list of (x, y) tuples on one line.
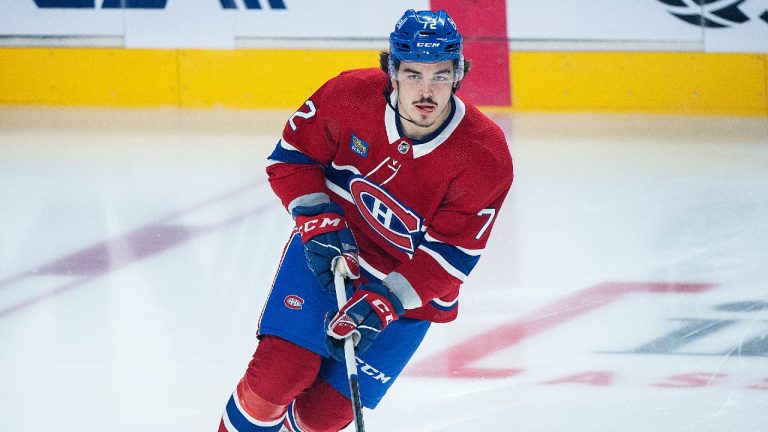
[(456, 236), (310, 142), (296, 169), (296, 173)]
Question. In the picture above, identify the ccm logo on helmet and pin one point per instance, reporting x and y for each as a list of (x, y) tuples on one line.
[(427, 44), (397, 224)]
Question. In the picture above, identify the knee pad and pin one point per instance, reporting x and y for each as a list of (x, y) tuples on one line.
[(281, 370), (321, 409), (278, 372)]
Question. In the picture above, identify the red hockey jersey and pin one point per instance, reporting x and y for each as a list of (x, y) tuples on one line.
[(421, 211)]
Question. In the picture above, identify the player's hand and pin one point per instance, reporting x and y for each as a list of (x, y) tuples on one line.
[(327, 239), (366, 314)]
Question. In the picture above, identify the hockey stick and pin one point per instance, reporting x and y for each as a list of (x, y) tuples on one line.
[(349, 356)]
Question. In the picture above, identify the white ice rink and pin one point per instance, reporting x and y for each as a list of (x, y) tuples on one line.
[(625, 287)]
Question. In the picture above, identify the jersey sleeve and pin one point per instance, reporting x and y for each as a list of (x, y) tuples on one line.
[(296, 168), (456, 235)]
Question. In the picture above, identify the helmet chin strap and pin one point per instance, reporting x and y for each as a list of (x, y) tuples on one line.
[(397, 111)]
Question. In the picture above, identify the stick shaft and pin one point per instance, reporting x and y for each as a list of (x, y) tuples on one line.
[(349, 359)]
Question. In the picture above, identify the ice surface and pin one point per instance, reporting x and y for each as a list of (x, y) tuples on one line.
[(625, 287)]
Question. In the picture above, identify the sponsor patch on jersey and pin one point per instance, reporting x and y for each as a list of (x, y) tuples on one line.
[(293, 302), (359, 146)]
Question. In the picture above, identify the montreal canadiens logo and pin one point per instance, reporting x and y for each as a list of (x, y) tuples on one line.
[(293, 302), (388, 217)]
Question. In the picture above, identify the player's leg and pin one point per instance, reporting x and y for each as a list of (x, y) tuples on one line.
[(320, 409), (278, 372), (289, 355), (380, 365), (326, 407)]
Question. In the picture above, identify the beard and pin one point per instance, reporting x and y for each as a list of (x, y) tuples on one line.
[(422, 123)]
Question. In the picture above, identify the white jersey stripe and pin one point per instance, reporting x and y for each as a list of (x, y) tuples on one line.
[(284, 144), (446, 304), (370, 269), (228, 424), (339, 191), (251, 419), (346, 168), (472, 252)]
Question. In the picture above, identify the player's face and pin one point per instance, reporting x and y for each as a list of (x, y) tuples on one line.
[(424, 93)]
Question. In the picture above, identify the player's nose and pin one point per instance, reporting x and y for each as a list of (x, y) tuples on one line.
[(426, 88)]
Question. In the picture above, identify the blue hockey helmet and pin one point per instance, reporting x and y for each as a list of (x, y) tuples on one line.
[(426, 37)]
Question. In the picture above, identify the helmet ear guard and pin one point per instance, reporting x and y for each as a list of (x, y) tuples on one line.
[(392, 68), (459, 66)]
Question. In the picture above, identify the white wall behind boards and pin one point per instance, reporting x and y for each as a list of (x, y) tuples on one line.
[(718, 26)]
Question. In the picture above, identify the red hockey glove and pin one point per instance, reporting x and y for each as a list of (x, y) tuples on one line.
[(327, 239), (366, 314)]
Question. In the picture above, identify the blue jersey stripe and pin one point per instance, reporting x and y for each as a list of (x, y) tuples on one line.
[(339, 176), (453, 256), (281, 154)]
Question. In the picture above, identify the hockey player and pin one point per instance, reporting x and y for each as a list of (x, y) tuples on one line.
[(391, 172)]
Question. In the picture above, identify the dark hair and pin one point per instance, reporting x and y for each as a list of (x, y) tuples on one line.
[(384, 64)]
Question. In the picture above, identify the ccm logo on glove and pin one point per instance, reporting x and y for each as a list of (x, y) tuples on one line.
[(385, 314), (370, 310), (328, 242), (323, 223)]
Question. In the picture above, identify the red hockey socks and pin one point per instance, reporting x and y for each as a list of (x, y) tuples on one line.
[(321, 409), (278, 372)]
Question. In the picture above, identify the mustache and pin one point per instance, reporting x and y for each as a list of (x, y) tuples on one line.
[(428, 100)]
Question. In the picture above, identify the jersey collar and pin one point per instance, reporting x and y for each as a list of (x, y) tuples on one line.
[(426, 146)]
